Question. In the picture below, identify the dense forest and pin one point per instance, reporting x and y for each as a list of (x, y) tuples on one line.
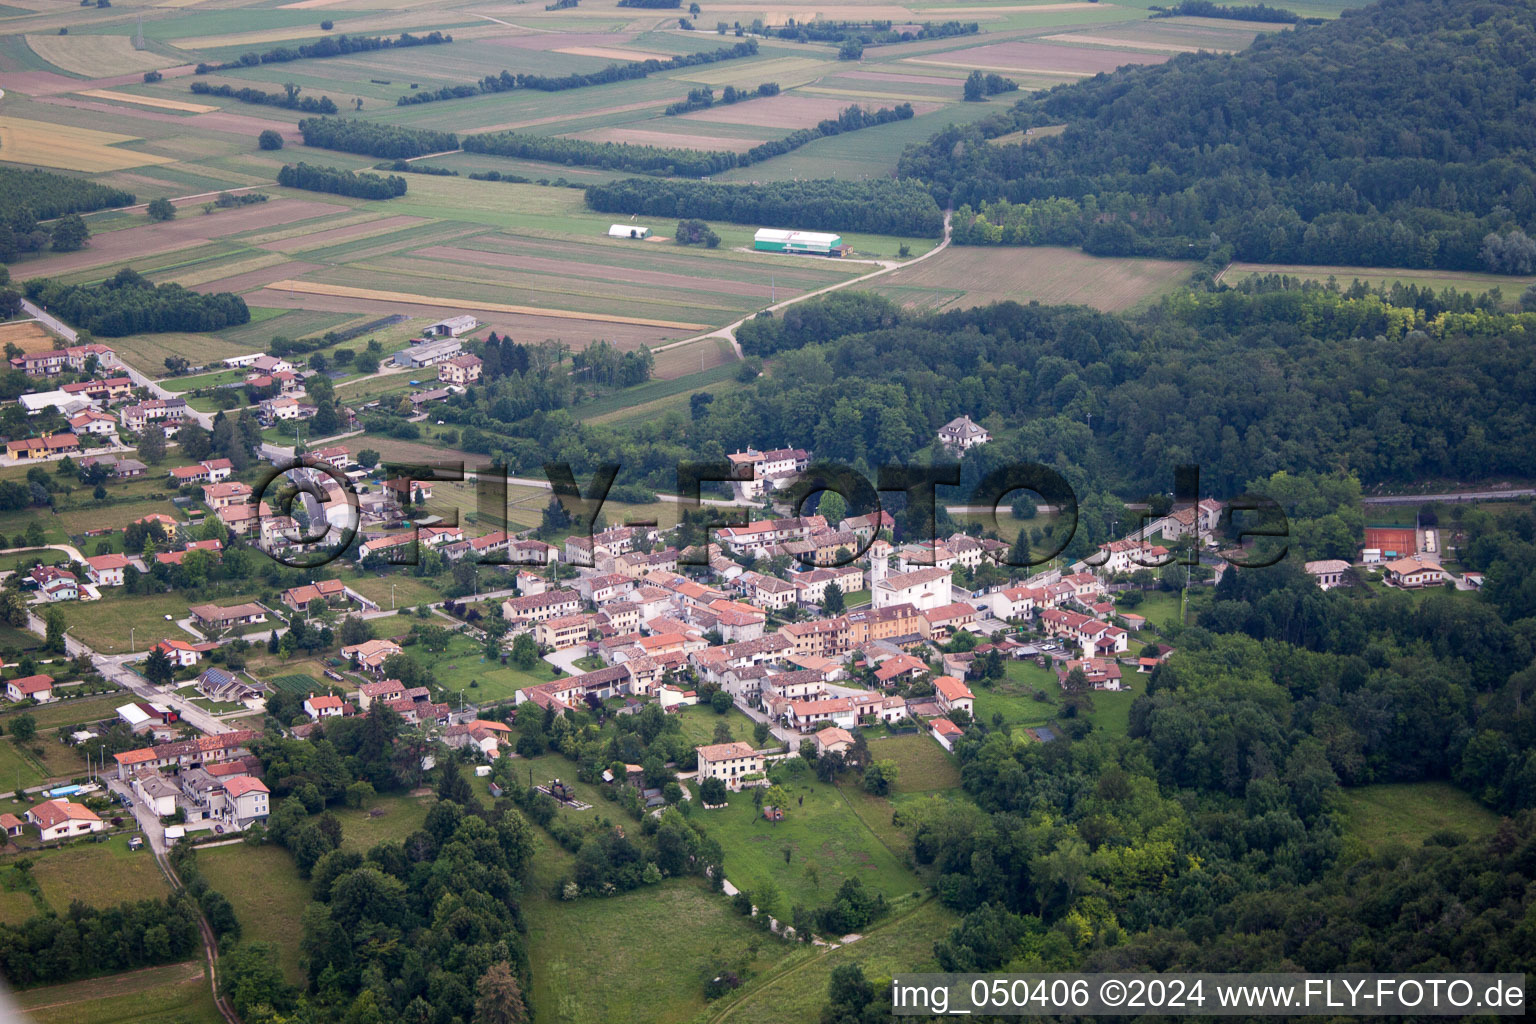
[(46, 195), (357, 184), (1319, 144), (507, 81), (879, 205), (127, 303), (371, 138), (290, 100), (330, 46), (668, 161)]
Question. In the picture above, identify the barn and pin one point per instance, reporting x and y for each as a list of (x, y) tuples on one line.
[(811, 242), (628, 231)]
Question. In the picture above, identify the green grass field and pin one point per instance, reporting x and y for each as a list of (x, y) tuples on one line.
[(17, 771), (1408, 813), (796, 993), (592, 962), (106, 624), (153, 995), (1013, 697), (699, 724), (922, 766), (267, 893), (464, 663), (402, 815), (820, 832), (98, 874)]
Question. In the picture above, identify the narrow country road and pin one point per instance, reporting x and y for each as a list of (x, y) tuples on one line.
[(1419, 499), (728, 332)]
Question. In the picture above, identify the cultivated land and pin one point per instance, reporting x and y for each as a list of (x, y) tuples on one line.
[(961, 277), (174, 992)]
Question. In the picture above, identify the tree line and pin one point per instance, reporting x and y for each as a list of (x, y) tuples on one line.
[(869, 33), (668, 160), (289, 100), (1208, 150), (46, 195), (704, 97), (127, 303), (507, 81), (882, 206), (370, 138), (330, 46), (1207, 9), (47, 949), (357, 184)]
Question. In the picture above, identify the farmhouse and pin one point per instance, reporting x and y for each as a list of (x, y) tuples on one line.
[(460, 370), (728, 762), (538, 607)]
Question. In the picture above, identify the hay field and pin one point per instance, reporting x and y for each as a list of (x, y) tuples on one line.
[(787, 71), (964, 276), (95, 56), (28, 336), (668, 140), (1039, 58), (609, 53), (148, 101), (315, 288), (75, 149)]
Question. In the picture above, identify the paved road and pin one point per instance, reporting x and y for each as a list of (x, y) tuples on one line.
[(114, 668), (1419, 499), (52, 322), (728, 332)]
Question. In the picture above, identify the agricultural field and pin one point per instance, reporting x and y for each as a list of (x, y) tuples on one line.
[(28, 335), (40, 144), (964, 276), (178, 992)]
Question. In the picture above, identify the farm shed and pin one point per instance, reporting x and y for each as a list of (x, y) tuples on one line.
[(812, 242), (628, 231)]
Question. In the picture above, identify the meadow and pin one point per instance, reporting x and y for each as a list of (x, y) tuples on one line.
[(823, 846), (99, 874), (966, 276), (1409, 813), (267, 893), (172, 992)]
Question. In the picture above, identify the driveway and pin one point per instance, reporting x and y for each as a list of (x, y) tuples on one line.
[(149, 822)]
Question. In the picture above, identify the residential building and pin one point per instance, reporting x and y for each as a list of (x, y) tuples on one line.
[(1328, 572), (833, 740), (921, 588), (106, 570), (962, 433), (550, 604), (758, 473), (562, 631), (61, 819), (370, 655), (461, 370), (729, 762), (326, 706), (213, 616), (38, 688), (181, 653), (93, 422), (1411, 573), (953, 695), (55, 584), (246, 800), (806, 715), (43, 447)]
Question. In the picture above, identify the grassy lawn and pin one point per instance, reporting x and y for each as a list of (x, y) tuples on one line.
[(68, 712), (408, 591), (796, 993), (821, 832), (1159, 607), (921, 764), (402, 815), (173, 992), (16, 771), (464, 663), (98, 874), (589, 967), (267, 893), (105, 624), (1408, 812), (1112, 710), (699, 724), (1013, 697)]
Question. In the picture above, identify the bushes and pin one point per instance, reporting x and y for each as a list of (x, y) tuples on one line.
[(693, 231), (882, 205), (269, 139), (128, 304), (358, 185), (371, 139), (290, 100)]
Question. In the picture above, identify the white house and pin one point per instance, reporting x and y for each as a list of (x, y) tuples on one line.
[(962, 433), (60, 819), (921, 588), (323, 707), (38, 688), (1328, 572)]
